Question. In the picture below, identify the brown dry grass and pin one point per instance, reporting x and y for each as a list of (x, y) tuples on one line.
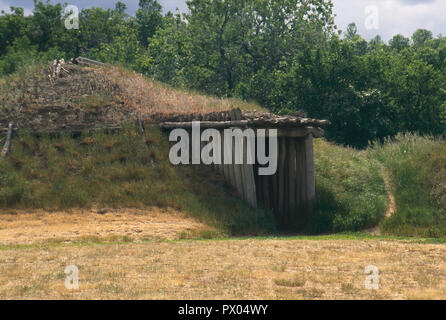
[(37, 226), (232, 269), (87, 97), (150, 97)]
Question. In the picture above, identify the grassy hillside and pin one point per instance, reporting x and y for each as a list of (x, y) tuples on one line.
[(117, 170), (351, 194), (109, 170), (120, 170), (417, 166)]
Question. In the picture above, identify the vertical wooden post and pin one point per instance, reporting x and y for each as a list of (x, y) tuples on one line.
[(141, 126), (281, 173), (266, 187), (259, 186), (275, 190), (236, 171), (248, 176), (266, 184), (226, 170), (310, 171), (219, 167), (8, 141), (305, 187), (232, 170), (236, 114), (292, 212), (301, 181)]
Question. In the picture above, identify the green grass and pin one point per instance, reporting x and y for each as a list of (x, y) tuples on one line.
[(351, 193), (417, 166), (120, 170)]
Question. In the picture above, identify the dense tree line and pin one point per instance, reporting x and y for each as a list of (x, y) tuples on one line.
[(287, 55)]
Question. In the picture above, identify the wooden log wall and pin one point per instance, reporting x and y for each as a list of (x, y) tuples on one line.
[(290, 192)]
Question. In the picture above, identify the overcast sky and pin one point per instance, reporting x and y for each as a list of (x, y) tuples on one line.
[(394, 16)]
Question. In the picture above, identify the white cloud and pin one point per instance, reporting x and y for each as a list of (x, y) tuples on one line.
[(172, 5), (396, 16), (6, 5)]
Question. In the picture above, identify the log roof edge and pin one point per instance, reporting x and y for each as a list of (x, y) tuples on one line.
[(245, 118)]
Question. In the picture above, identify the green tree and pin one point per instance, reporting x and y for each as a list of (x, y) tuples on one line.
[(149, 18), (376, 42), (167, 54), (399, 43), (351, 32), (46, 26), (234, 43), (420, 37), (12, 26)]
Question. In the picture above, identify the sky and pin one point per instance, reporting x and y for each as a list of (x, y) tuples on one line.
[(384, 17)]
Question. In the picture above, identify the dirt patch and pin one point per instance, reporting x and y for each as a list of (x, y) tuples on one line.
[(28, 227), (391, 208)]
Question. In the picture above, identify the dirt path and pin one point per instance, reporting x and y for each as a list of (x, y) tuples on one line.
[(391, 208), (23, 227)]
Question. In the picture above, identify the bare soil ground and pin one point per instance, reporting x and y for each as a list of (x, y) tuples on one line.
[(194, 269), (37, 226), (391, 208)]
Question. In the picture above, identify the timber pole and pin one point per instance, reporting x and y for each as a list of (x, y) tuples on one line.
[(7, 145)]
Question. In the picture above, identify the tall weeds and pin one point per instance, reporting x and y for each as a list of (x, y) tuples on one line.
[(417, 166), (351, 194)]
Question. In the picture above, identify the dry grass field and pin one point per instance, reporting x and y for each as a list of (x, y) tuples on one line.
[(38, 226), (128, 266)]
